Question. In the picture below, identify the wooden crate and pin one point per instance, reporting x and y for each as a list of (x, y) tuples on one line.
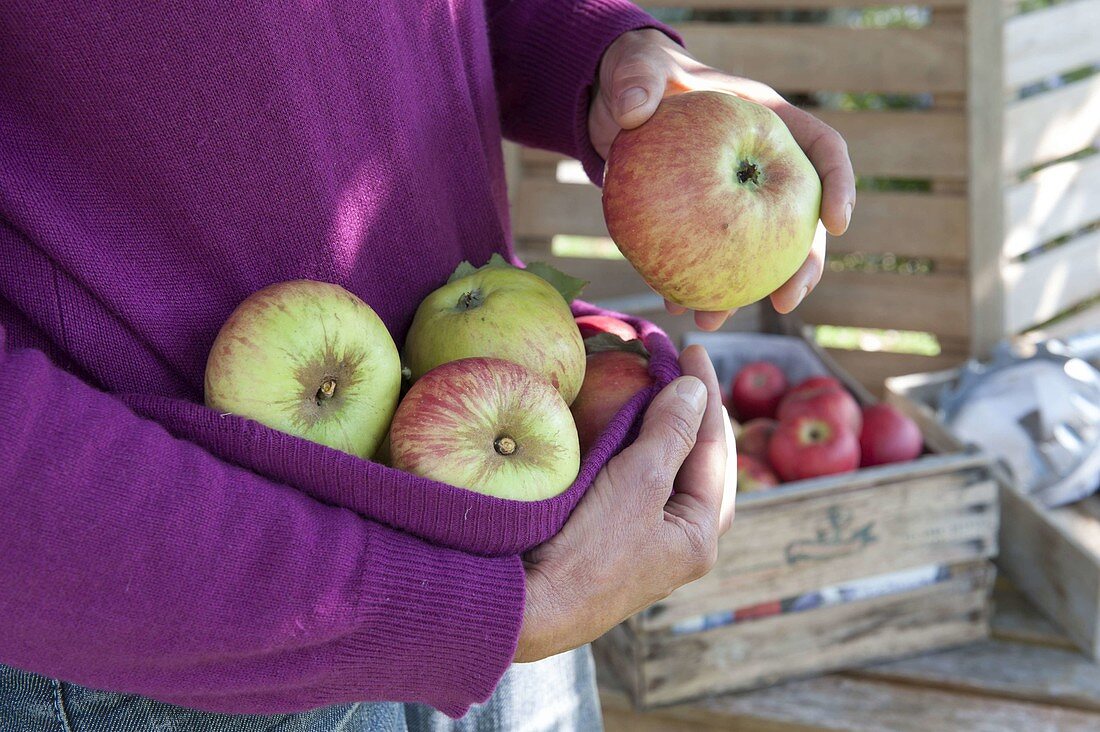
[(972, 187), (802, 537), (1052, 555), (1026, 677)]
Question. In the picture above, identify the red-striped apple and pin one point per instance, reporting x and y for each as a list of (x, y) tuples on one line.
[(487, 425), (821, 396), (888, 436), (756, 390), (711, 200), (611, 378)]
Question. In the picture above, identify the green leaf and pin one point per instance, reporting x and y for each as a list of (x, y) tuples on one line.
[(569, 287), (611, 342), (465, 269)]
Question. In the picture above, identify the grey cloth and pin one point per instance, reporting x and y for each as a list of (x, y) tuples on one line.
[(556, 694)]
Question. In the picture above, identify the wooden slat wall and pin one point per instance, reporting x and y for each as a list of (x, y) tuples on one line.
[(1050, 248)]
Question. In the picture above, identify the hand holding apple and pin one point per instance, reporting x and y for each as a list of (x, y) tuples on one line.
[(711, 200), (643, 67), (580, 584)]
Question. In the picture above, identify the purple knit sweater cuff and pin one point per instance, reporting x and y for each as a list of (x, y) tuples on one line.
[(442, 514), (478, 600), (546, 72)]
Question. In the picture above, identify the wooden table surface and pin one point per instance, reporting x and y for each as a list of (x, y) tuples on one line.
[(1027, 677)]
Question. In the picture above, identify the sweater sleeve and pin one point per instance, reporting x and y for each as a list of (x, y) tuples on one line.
[(136, 562), (546, 54)]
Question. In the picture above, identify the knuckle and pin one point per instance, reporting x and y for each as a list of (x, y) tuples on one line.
[(679, 428), (703, 554)]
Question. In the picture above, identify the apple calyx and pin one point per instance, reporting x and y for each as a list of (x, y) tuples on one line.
[(328, 388), (504, 445), (748, 172)]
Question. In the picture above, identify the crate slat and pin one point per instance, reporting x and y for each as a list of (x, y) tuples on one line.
[(804, 57), (1040, 288), (1052, 125), (760, 652), (872, 368), (935, 142), (936, 303), (1056, 201), (776, 555), (1051, 41)]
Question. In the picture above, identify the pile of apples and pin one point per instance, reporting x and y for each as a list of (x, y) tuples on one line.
[(493, 390), (814, 428)]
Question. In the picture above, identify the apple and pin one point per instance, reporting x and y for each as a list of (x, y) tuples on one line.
[(756, 390), (711, 200), (888, 436), (821, 396), (611, 378), (310, 359), (806, 446), (499, 312), (754, 475), (488, 425), (593, 325), (754, 437)]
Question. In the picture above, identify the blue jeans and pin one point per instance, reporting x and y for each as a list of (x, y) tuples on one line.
[(557, 693)]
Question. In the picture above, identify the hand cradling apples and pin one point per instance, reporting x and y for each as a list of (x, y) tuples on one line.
[(495, 356)]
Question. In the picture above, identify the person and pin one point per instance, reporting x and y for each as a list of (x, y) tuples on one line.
[(160, 162)]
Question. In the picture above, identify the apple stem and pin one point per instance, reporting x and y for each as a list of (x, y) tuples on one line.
[(328, 388), (469, 300), (504, 445)]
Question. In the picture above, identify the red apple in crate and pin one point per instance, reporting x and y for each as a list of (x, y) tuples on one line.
[(593, 325), (888, 436), (821, 396), (487, 425), (807, 446), (756, 390), (753, 475), (754, 437), (310, 359), (611, 378), (711, 200)]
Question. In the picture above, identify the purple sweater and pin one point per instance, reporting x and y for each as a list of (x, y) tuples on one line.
[(158, 163)]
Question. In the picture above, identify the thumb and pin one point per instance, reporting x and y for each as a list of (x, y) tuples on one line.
[(669, 431), (636, 89)]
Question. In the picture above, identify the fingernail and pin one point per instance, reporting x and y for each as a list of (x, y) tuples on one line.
[(632, 98), (802, 295), (847, 214), (692, 391)]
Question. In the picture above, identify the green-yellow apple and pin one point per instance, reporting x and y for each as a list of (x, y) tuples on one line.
[(711, 200), (488, 425), (310, 359), (499, 312), (611, 378)]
